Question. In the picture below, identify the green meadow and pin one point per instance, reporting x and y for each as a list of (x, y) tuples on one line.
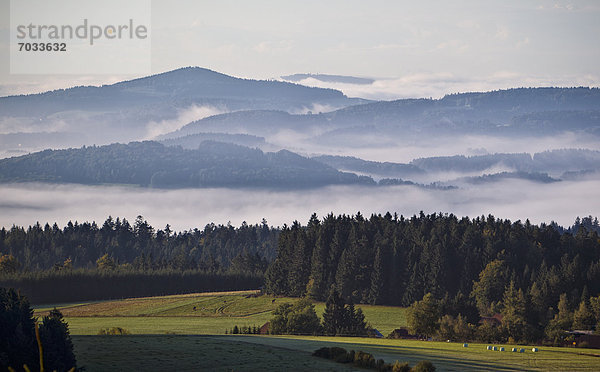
[(279, 353), (196, 314), (186, 332)]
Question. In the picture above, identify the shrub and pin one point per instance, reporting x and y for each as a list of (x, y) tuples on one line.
[(381, 365), (337, 354), (299, 318), (322, 353), (400, 367), (424, 366), (114, 331), (340, 355), (365, 360)]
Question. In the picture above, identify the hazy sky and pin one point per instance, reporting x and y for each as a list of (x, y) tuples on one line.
[(416, 48)]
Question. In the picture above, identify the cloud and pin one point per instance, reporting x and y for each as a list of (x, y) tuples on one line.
[(184, 116), (315, 108), (25, 204), (436, 85), (45, 83)]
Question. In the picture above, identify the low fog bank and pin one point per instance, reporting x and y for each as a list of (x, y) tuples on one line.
[(25, 204), (403, 151), (437, 85)]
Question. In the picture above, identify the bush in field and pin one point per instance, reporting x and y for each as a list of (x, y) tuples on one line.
[(322, 353), (364, 360), (424, 366), (340, 355), (337, 354), (455, 329), (400, 367), (423, 316), (299, 318), (114, 331)]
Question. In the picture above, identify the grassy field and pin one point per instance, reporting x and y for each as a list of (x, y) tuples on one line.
[(170, 333), (446, 356), (191, 353), (279, 353), (201, 313)]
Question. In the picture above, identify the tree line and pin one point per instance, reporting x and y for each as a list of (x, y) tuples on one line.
[(469, 265), (83, 261), (47, 287), (140, 247)]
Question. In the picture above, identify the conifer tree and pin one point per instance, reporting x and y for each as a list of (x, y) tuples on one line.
[(334, 314)]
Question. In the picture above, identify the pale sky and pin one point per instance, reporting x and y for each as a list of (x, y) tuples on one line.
[(413, 48)]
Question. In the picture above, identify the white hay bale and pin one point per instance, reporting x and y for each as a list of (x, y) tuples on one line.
[(495, 348), (522, 351), (489, 347), (465, 345), (535, 350), (514, 349), (501, 349)]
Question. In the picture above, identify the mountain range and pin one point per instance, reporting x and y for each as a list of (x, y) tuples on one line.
[(513, 112), (124, 111), (267, 133), (218, 164)]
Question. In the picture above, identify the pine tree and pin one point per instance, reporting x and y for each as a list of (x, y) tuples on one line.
[(375, 294), (489, 289), (514, 313), (583, 318), (17, 333), (334, 314), (57, 344)]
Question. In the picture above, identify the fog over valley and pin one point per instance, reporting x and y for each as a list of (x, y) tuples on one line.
[(194, 146), (26, 204)]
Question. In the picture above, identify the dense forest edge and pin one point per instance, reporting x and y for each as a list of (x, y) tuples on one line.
[(518, 281), (544, 277)]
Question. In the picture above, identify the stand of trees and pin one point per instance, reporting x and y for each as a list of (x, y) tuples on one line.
[(470, 267), (140, 246), (514, 323), (339, 319), (117, 260), (19, 344)]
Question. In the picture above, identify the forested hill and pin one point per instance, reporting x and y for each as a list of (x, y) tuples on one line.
[(151, 164), (395, 261), (184, 85), (523, 111)]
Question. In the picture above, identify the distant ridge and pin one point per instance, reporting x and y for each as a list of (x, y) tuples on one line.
[(151, 164)]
